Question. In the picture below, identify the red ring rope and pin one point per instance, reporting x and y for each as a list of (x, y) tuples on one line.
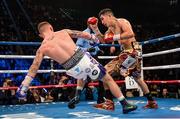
[(90, 84)]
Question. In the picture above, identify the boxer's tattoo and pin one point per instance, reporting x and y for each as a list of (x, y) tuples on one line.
[(78, 34), (36, 63)]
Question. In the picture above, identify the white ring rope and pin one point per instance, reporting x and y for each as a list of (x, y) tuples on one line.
[(161, 52), (61, 71), (146, 55), (100, 57), (162, 67), (106, 57), (20, 57), (25, 71)]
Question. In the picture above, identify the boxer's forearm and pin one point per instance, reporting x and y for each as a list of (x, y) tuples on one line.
[(33, 68), (35, 65), (99, 35), (78, 34), (126, 35)]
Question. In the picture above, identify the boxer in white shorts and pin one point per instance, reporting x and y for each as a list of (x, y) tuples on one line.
[(60, 47)]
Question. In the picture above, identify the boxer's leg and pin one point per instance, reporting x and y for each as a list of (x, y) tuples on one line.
[(127, 107)]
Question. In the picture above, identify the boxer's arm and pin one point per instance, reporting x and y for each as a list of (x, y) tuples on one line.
[(127, 31), (96, 30), (33, 68), (23, 88), (115, 37), (81, 34), (36, 63)]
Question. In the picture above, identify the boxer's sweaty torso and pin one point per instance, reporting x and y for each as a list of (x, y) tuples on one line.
[(118, 29), (59, 47)]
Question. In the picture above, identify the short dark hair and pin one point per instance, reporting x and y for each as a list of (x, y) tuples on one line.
[(41, 24), (106, 11)]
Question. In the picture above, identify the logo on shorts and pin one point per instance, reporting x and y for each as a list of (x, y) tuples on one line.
[(87, 70), (95, 72), (77, 69)]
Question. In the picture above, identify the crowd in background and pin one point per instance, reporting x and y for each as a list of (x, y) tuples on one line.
[(28, 33)]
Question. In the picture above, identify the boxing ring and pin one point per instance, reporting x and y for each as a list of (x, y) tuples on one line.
[(168, 107)]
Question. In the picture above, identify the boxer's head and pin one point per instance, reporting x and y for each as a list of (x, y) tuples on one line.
[(106, 16), (44, 27)]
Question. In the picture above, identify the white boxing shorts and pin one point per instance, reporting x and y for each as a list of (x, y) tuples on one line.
[(87, 67)]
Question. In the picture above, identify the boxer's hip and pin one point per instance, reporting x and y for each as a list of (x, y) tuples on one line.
[(74, 60)]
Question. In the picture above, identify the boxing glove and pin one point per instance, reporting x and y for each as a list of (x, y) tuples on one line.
[(110, 37), (21, 93), (92, 20)]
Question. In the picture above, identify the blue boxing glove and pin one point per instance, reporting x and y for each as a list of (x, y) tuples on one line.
[(21, 93)]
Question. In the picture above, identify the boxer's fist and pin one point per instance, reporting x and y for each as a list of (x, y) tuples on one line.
[(110, 37), (22, 92), (92, 20)]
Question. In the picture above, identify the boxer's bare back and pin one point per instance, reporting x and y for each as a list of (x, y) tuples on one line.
[(59, 46)]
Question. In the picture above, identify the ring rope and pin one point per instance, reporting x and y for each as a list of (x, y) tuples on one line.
[(162, 67), (25, 71), (161, 52), (20, 57), (70, 85), (100, 57), (146, 55), (61, 71), (20, 43), (169, 37), (92, 84)]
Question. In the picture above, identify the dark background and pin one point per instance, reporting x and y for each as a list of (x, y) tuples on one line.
[(149, 14)]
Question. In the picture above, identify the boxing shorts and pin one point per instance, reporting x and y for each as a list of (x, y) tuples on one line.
[(127, 63), (82, 65), (131, 61)]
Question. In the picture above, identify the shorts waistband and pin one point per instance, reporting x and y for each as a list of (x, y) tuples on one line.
[(74, 60)]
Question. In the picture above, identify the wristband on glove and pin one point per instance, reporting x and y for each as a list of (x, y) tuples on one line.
[(112, 38), (116, 37), (27, 80)]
